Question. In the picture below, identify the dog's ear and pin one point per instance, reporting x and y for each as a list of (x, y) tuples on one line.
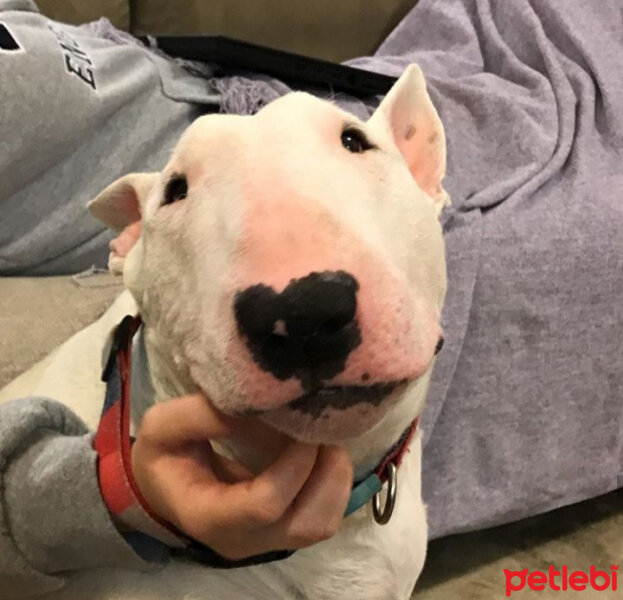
[(120, 207), (409, 118), (119, 204)]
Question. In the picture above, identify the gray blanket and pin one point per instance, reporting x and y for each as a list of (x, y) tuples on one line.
[(525, 412)]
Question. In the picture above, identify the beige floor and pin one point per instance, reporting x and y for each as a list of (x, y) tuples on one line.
[(471, 566), (37, 314)]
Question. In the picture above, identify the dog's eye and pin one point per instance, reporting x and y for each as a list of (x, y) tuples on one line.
[(439, 346), (355, 141), (176, 189)]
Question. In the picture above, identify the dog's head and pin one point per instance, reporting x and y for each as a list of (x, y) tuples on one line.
[(292, 263)]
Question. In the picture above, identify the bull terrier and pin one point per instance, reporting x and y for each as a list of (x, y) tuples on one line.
[(291, 266)]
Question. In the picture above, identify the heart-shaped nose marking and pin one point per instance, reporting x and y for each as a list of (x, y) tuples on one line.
[(307, 331)]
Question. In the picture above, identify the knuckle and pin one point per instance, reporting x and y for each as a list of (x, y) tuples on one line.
[(267, 506), (342, 466), (193, 522), (197, 531), (265, 513), (312, 533), (300, 539), (330, 529), (150, 424)]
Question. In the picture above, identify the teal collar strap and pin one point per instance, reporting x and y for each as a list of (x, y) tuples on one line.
[(369, 488)]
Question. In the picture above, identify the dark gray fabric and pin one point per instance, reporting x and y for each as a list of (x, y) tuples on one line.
[(525, 410), (47, 478)]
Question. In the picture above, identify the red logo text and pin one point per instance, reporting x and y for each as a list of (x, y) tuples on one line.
[(561, 580)]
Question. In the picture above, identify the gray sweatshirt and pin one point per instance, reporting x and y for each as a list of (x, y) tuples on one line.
[(47, 478), (77, 110), (79, 107)]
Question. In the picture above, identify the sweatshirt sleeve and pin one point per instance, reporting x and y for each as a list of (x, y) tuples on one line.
[(52, 517)]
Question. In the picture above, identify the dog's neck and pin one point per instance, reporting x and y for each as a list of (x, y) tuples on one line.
[(154, 379)]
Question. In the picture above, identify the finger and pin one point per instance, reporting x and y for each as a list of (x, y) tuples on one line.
[(314, 516), (228, 470), (195, 418), (180, 421), (257, 442), (254, 503), (318, 509), (268, 496), (201, 465)]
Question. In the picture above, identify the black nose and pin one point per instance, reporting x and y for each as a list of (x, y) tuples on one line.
[(306, 331)]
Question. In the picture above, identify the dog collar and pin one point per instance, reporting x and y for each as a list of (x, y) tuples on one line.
[(148, 531), (386, 472)]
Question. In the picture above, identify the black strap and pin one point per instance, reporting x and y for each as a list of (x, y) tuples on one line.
[(204, 555)]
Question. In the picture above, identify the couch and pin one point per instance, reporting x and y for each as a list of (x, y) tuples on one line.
[(325, 29)]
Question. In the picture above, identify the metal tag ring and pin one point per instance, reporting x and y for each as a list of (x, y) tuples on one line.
[(382, 517)]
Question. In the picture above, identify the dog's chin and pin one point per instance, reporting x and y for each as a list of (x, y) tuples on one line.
[(335, 414)]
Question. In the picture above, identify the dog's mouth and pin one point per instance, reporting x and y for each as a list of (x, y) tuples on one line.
[(314, 403), (342, 397), (332, 413)]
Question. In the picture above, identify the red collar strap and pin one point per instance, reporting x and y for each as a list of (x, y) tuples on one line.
[(151, 536), (398, 451), (113, 446)]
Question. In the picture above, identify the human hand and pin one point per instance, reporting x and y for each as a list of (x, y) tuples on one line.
[(298, 500)]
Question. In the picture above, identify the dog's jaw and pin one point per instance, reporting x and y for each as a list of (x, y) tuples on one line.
[(167, 379), (335, 424), (366, 449)]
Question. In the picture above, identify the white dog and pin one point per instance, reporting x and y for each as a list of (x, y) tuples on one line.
[(291, 266)]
